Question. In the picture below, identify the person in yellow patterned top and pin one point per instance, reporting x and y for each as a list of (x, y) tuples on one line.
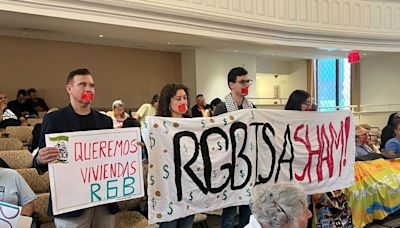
[(147, 110)]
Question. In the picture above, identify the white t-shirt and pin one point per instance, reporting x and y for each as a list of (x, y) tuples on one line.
[(14, 189)]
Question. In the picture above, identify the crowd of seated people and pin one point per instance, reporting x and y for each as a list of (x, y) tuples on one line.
[(268, 209)]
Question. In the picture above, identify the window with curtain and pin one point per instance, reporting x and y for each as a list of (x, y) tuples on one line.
[(333, 84)]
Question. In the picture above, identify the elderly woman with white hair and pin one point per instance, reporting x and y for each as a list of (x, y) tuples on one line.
[(118, 114), (279, 205)]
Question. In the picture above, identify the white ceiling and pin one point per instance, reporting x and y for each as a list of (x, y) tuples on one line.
[(51, 28)]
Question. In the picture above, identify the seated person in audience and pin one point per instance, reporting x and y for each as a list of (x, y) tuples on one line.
[(214, 104), (392, 146), (20, 103), (388, 130), (362, 140), (374, 138), (9, 116), (201, 107), (278, 205), (147, 110), (118, 114), (36, 133), (14, 190), (35, 103)]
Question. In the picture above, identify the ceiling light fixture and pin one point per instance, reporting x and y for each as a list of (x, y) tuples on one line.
[(364, 54), (235, 51), (101, 35)]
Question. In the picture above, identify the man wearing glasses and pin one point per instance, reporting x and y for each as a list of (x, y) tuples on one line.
[(238, 83)]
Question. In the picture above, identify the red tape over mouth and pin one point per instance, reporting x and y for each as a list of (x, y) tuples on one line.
[(87, 96)]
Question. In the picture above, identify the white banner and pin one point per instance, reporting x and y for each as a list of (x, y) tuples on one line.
[(202, 164), (95, 168)]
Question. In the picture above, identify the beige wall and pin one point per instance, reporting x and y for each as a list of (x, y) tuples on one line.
[(212, 68), (380, 79), (287, 83), (132, 75)]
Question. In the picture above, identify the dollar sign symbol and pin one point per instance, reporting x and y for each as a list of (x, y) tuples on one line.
[(224, 197), (171, 210), (251, 146), (237, 137), (153, 203), (165, 126), (184, 147), (152, 141), (191, 196), (151, 180), (214, 173), (219, 144), (225, 122), (203, 124), (165, 168), (248, 192), (145, 124), (252, 115), (241, 173), (208, 204)]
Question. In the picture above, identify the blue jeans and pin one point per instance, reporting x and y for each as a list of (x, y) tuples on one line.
[(186, 222), (229, 214)]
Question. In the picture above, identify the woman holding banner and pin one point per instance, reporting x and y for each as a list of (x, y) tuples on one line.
[(174, 103), (299, 100), (330, 207)]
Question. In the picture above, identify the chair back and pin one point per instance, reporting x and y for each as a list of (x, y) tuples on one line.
[(23, 133), (38, 183), (10, 144), (34, 121), (17, 159), (40, 206)]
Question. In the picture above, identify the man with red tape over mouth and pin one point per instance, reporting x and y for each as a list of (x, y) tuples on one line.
[(239, 84), (77, 116)]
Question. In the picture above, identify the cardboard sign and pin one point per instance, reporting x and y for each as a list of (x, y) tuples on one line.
[(9, 215), (202, 164), (95, 168)]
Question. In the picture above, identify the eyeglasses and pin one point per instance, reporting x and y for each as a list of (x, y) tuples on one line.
[(245, 82), (277, 205)]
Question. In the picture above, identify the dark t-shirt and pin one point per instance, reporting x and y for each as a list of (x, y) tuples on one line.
[(32, 104), (221, 108), (86, 122), (15, 105)]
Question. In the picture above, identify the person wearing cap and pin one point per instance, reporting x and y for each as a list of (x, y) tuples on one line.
[(118, 114), (362, 139)]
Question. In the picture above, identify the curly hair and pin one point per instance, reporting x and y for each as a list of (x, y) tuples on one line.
[(278, 204), (167, 92)]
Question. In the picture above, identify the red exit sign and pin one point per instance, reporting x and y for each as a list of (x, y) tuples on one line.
[(353, 57)]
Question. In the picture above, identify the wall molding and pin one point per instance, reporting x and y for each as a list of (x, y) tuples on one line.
[(356, 24)]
